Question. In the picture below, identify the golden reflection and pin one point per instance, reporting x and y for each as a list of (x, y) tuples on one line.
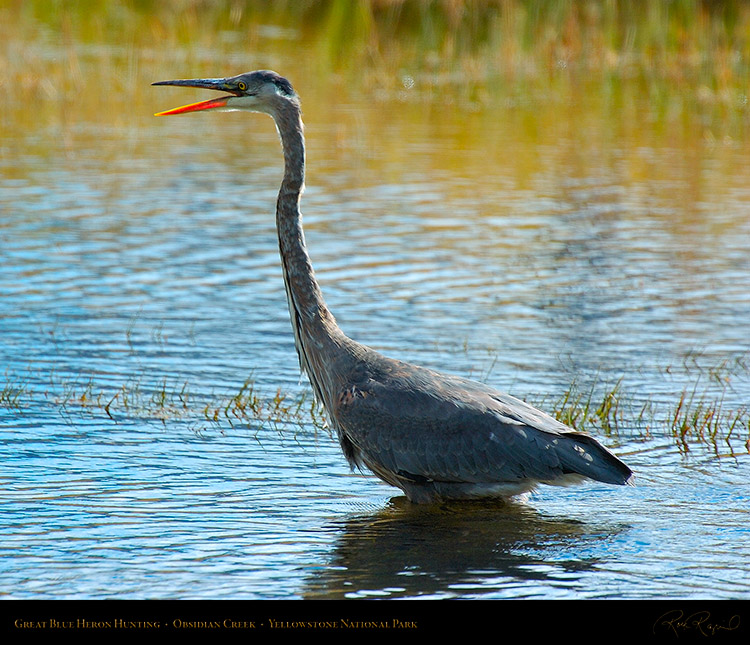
[(524, 96)]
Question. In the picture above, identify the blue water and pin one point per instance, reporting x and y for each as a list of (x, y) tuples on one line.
[(140, 291)]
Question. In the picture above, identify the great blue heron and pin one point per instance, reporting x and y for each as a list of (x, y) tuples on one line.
[(434, 436)]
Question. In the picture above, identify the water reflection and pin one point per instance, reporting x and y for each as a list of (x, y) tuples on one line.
[(483, 549)]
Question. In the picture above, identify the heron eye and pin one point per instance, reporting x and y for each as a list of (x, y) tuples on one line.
[(242, 85)]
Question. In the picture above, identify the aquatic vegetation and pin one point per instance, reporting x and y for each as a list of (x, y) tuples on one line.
[(248, 406), (709, 422), (579, 409), (669, 71), (698, 416), (701, 418), (12, 393), (165, 401), (463, 50)]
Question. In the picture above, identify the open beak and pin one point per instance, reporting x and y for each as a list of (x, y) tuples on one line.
[(220, 84)]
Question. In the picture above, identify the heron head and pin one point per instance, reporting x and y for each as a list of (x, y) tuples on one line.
[(258, 91)]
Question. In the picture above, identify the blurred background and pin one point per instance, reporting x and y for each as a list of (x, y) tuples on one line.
[(549, 196)]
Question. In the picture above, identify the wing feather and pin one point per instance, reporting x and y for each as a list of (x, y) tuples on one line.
[(422, 425)]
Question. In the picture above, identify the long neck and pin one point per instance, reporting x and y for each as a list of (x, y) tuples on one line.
[(316, 333)]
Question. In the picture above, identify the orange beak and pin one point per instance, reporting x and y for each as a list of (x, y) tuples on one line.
[(221, 84), (194, 107)]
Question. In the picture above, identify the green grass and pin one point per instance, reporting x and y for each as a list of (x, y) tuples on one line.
[(698, 415), (681, 68), (585, 408), (13, 393), (165, 401), (248, 406), (694, 418)]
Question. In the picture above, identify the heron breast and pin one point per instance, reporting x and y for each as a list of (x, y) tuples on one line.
[(349, 395)]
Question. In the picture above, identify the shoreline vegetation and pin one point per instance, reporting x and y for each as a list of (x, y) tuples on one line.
[(691, 57), (696, 415)]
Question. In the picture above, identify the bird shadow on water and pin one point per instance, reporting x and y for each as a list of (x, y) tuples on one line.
[(478, 549)]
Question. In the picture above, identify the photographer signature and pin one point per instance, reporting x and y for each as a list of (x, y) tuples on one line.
[(698, 622)]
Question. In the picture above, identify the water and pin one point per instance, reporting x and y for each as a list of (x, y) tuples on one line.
[(139, 262)]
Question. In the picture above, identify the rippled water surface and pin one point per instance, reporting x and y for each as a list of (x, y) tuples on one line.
[(141, 288)]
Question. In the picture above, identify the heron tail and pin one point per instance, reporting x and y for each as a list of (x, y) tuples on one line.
[(583, 455)]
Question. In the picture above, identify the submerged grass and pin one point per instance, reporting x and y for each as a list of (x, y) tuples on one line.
[(12, 393), (709, 422), (279, 411), (698, 417), (166, 401), (580, 408), (681, 68)]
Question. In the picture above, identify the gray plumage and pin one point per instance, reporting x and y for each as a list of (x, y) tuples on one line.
[(432, 435)]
